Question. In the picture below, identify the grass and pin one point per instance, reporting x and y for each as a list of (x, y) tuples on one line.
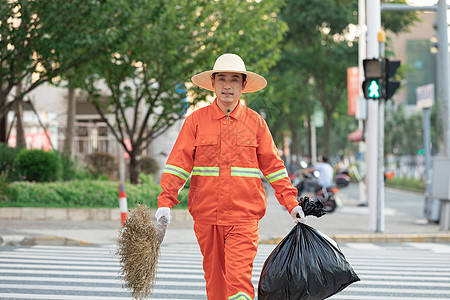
[(410, 184), (81, 194)]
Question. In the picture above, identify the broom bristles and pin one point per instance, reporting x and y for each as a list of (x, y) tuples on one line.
[(138, 248)]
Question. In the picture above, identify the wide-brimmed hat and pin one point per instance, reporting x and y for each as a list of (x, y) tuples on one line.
[(230, 63)]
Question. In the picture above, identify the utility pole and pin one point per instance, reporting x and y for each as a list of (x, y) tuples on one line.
[(380, 162), (376, 221), (444, 95), (361, 112)]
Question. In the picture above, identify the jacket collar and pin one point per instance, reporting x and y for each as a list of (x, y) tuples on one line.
[(218, 113)]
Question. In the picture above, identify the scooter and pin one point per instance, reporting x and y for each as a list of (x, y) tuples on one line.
[(342, 179), (326, 195), (328, 198)]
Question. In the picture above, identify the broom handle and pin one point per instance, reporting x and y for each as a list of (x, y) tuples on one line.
[(161, 227)]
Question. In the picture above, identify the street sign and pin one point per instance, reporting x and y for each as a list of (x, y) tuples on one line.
[(425, 96), (353, 89)]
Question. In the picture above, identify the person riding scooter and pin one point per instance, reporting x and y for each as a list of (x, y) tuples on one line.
[(324, 179)]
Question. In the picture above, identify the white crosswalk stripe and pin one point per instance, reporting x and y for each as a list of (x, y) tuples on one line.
[(388, 271)]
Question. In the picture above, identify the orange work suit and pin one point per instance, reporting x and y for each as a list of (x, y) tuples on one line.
[(223, 155)]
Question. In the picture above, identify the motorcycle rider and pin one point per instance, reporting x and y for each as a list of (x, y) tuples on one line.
[(342, 167), (324, 180)]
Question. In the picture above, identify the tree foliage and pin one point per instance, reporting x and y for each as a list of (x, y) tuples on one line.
[(404, 135), (40, 39), (316, 52), (141, 82)]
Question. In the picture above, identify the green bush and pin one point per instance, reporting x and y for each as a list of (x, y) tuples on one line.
[(3, 188), (410, 184), (68, 168), (38, 165), (73, 170), (149, 165), (83, 193), (7, 156), (101, 163)]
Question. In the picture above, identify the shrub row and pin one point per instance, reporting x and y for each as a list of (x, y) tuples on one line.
[(415, 185), (36, 165), (82, 193)]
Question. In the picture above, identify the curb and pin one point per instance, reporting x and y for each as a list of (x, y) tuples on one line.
[(75, 214), (381, 238), (21, 240)]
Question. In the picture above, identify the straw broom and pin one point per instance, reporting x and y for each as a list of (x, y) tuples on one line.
[(139, 247)]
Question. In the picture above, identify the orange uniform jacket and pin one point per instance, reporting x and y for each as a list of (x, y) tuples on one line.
[(225, 155)]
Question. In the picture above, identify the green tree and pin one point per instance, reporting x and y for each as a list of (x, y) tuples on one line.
[(144, 75), (316, 52), (314, 59), (404, 135), (41, 39)]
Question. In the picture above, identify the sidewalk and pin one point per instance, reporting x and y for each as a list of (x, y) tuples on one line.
[(349, 223)]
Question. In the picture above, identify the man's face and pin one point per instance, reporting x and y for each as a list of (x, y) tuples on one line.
[(228, 87)]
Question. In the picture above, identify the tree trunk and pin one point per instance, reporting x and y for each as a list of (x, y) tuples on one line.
[(3, 120), (308, 122), (134, 169), (326, 135), (20, 131), (70, 127), (295, 140), (3, 137)]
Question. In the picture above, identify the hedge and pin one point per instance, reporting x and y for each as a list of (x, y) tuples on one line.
[(38, 165), (82, 193)]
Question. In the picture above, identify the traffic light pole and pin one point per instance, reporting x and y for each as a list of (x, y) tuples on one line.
[(380, 184), (444, 94), (374, 187)]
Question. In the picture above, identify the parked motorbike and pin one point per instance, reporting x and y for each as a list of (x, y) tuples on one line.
[(328, 198), (342, 179), (326, 195)]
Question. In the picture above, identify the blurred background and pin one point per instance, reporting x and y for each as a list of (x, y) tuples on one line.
[(104, 86)]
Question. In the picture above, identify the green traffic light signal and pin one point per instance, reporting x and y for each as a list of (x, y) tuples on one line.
[(374, 89)]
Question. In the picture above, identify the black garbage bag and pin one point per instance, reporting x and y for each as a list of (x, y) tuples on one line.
[(305, 265), (312, 207)]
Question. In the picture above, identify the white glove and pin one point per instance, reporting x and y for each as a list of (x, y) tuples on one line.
[(163, 212), (298, 215)]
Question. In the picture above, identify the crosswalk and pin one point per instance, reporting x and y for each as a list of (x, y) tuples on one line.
[(388, 271)]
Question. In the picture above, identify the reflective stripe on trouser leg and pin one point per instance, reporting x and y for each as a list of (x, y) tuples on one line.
[(240, 250), (210, 240)]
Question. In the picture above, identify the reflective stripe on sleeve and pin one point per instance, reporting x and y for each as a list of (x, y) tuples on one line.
[(205, 171), (171, 169), (276, 175), (240, 296), (245, 172)]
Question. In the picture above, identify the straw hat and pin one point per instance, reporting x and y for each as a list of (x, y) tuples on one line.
[(230, 63)]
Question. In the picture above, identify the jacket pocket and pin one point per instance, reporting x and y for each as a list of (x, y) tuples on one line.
[(246, 155), (206, 150), (247, 141), (206, 140), (194, 197)]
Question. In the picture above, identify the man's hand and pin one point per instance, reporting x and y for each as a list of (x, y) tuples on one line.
[(163, 212), (298, 215)]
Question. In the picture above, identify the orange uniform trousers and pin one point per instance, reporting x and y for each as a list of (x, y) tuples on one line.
[(228, 255)]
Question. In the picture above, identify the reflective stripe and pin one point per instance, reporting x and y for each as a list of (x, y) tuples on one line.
[(205, 171), (176, 171), (277, 175), (245, 172), (240, 296)]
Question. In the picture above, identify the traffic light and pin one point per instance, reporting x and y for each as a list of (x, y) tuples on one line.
[(378, 83), (374, 75), (391, 85)]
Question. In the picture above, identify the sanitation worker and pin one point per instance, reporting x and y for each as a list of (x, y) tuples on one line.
[(223, 147)]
